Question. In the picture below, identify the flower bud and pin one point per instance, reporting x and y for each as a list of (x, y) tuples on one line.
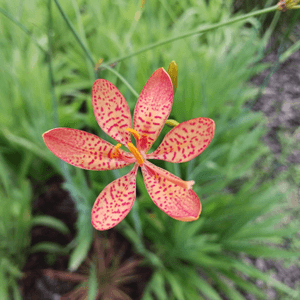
[(98, 64), (172, 123), (173, 73)]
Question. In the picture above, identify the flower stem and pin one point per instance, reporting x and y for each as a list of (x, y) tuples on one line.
[(85, 49), (134, 92), (50, 68), (88, 53), (205, 28), (63, 166)]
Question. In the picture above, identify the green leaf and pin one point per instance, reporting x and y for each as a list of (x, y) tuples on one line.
[(92, 283), (158, 286), (259, 250), (253, 206), (225, 286), (206, 289), (253, 272), (175, 284), (134, 213), (10, 267), (203, 260), (3, 284), (84, 242), (285, 55), (25, 143), (132, 236), (51, 222), (16, 292), (49, 247), (247, 286), (266, 228)]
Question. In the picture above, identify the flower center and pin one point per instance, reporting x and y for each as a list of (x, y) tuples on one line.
[(116, 153), (133, 149), (136, 153)]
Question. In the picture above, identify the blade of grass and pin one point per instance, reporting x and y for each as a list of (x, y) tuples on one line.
[(69, 23), (50, 222), (229, 290), (21, 26)]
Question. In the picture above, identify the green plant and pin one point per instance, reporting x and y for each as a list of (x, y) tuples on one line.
[(45, 82), (204, 256), (15, 225)]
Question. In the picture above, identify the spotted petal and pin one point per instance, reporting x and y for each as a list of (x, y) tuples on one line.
[(84, 150), (111, 111), (153, 108), (115, 201), (171, 194), (185, 141)]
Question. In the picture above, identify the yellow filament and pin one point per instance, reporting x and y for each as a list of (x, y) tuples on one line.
[(116, 152), (136, 153), (134, 133)]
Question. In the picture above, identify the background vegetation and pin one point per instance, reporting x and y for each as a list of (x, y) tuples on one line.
[(46, 76)]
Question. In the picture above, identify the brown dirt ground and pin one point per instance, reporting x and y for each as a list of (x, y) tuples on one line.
[(280, 102)]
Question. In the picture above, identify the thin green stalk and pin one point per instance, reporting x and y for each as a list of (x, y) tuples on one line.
[(87, 52), (85, 49), (51, 77), (91, 70), (21, 26), (271, 28), (191, 33), (64, 168), (123, 79), (267, 79)]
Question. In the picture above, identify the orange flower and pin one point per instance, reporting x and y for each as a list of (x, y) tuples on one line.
[(184, 142)]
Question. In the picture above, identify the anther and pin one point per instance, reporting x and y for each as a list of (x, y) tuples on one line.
[(116, 152), (136, 153), (134, 133)]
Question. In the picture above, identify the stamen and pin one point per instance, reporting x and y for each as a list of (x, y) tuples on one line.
[(136, 153), (116, 152), (134, 133)]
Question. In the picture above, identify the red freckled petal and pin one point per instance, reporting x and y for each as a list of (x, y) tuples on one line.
[(185, 141), (115, 201), (176, 201), (111, 111), (72, 146), (153, 107)]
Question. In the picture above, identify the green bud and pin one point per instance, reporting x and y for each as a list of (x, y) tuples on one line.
[(172, 123), (173, 73)]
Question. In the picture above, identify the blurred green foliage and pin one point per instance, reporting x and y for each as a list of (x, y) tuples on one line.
[(40, 87)]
